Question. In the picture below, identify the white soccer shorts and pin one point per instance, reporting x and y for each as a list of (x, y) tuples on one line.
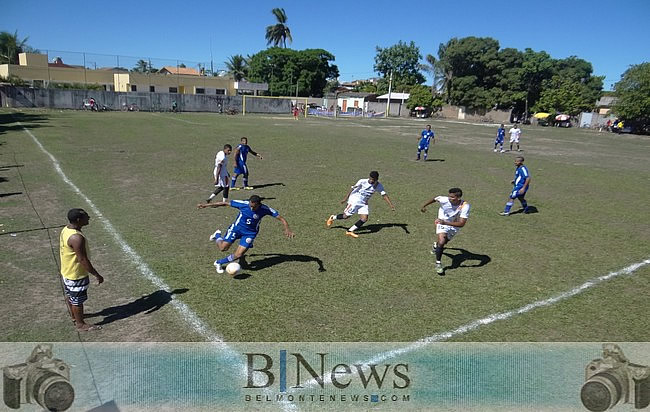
[(361, 209), (451, 231)]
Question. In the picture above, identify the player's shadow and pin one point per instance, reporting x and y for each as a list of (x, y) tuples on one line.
[(435, 160), (267, 185), (458, 260), (376, 227), (147, 304), (272, 259), (531, 210), (10, 194)]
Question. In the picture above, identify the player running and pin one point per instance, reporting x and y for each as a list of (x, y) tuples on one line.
[(245, 227), (357, 200), (220, 173), (452, 215), (501, 135), (241, 155), (521, 185), (426, 137)]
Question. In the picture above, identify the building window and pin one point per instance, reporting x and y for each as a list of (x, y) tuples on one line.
[(200, 90), (220, 91), (173, 90), (152, 89), (134, 88)]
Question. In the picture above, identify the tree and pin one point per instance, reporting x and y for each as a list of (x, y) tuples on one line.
[(237, 67), (144, 66), (11, 46), (278, 33), (283, 69), (420, 95), (633, 93), (402, 60), (565, 95), (435, 69)]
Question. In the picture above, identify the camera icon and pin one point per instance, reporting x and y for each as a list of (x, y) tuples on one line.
[(613, 379), (42, 379)]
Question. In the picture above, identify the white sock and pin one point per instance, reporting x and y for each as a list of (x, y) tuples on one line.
[(353, 228)]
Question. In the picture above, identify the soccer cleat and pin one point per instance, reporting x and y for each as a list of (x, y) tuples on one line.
[(234, 188), (439, 269), (329, 222), (208, 200), (526, 210), (502, 151), (351, 234), (504, 214), (215, 235), (218, 267), (433, 249), (248, 188)]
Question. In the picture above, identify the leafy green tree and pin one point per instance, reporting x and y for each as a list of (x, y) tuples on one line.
[(144, 66), (420, 95), (633, 93), (11, 46), (403, 61), (565, 95), (279, 32), (470, 67), (237, 67), (284, 68)]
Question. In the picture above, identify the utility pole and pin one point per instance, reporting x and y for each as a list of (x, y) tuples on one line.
[(390, 86)]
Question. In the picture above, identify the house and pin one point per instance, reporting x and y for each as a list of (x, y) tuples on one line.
[(34, 69), (394, 97), (355, 101)]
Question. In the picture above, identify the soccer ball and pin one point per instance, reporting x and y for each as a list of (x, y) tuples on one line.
[(233, 268)]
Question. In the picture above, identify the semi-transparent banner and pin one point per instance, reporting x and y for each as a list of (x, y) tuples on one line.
[(331, 376)]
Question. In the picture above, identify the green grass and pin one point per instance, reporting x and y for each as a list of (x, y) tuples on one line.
[(146, 173)]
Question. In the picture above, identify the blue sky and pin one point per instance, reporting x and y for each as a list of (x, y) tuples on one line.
[(610, 35)]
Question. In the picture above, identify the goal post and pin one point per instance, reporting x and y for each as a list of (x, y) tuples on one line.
[(278, 106)]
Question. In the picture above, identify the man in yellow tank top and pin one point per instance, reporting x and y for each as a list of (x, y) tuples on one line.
[(76, 266)]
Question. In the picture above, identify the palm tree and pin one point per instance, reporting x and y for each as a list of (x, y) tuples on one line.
[(278, 33), (10, 47), (237, 66)]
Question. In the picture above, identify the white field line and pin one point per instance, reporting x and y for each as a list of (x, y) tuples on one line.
[(179, 120), (186, 313), (468, 327)]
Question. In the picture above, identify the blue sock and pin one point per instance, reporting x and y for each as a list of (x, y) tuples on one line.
[(246, 181), (524, 204), (226, 260), (233, 181), (508, 206)]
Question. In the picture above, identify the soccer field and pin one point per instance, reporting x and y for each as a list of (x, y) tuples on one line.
[(147, 172)]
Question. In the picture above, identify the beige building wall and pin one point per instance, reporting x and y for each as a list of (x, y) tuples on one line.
[(34, 67)]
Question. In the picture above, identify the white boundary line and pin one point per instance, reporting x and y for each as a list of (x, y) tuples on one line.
[(186, 313), (179, 120), (468, 327)]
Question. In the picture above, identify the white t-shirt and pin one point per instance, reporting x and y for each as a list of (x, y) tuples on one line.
[(515, 133), (362, 191), (222, 160), (450, 212)]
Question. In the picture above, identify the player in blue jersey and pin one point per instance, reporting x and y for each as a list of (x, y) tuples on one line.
[(241, 155), (521, 185), (501, 135), (244, 228), (426, 137)]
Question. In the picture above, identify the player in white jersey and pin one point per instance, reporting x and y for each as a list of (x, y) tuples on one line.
[(357, 202), (452, 215), (515, 133), (220, 173)]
